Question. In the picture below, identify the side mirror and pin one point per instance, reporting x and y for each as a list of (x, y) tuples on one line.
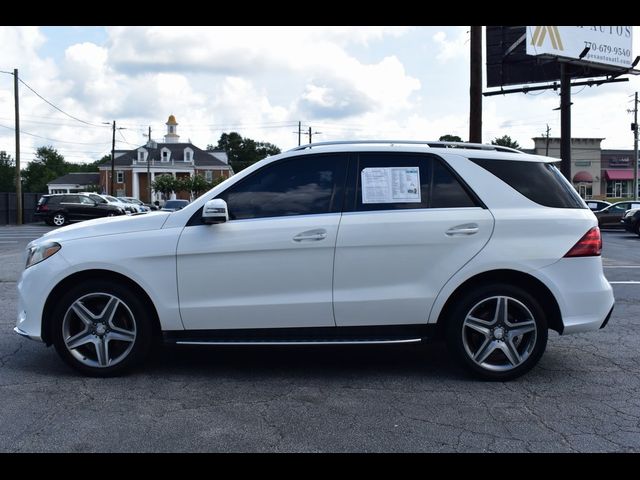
[(215, 211)]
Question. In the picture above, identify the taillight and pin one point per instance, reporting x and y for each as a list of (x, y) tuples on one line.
[(590, 245), (43, 208)]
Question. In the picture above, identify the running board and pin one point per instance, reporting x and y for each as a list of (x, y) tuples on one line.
[(297, 342), (361, 335)]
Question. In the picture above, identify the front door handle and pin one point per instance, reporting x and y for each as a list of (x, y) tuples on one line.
[(466, 229), (311, 235)]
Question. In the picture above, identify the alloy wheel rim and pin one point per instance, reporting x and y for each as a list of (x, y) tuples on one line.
[(58, 220), (99, 330), (499, 333)]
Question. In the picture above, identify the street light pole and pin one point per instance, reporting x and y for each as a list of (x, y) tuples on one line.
[(635, 148), (113, 158)]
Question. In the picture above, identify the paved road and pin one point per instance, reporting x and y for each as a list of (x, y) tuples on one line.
[(584, 396)]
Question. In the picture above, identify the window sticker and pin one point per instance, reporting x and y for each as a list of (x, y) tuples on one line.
[(391, 185)]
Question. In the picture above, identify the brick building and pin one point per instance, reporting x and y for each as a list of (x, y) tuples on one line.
[(171, 157)]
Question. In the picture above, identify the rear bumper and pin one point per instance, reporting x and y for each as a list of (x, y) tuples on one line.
[(606, 320), (584, 295)]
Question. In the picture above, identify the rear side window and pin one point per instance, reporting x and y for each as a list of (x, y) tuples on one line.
[(538, 181), (392, 181)]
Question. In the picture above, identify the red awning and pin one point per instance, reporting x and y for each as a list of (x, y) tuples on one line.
[(582, 176), (619, 174)]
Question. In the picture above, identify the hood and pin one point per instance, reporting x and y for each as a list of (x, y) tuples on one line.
[(107, 226)]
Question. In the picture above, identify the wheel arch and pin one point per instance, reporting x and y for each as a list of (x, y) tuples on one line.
[(523, 280), (94, 274)]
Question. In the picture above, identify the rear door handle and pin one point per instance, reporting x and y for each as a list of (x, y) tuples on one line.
[(466, 229), (311, 235)]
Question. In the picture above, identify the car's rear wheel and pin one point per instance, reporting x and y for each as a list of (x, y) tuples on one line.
[(59, 219), (498, 332), (101, 329)]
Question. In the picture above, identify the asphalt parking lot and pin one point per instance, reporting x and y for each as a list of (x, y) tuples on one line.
[(583, 397)]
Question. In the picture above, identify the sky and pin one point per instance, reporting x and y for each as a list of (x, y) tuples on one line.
[(343, 82)]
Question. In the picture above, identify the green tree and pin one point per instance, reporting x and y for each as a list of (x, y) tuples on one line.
[(197, 185), (450, 138), (86, 167), (243, 152), (7, 173), (167, 184), (505, 141), (47, 166)]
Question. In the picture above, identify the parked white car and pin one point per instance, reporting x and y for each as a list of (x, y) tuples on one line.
[(344, 242)]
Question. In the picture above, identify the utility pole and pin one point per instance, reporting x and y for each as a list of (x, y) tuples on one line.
[(310, 134), (635, 147), (149, 170), (299, 131), (475, 84), (565, 121), (18, 174), (113, 158), (546, 150)]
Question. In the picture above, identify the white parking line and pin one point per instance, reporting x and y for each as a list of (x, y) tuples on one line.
[(621, 266), (8, 241), (626, 282)]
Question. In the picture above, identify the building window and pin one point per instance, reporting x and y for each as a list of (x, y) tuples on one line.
[(208, 175), (187, 156), (171, 129), (165, 156), (119, 176), (141, 156), (619, 189), (585, 190)]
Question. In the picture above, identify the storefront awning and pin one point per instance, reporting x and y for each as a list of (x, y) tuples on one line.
[(582, 176), (619, 174)]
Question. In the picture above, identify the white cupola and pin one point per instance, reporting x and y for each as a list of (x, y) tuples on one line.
[(172, 131)]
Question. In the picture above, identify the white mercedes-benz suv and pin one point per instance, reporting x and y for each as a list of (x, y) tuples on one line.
[(333, 243)]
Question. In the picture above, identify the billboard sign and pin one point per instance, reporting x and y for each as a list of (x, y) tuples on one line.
[(608, 45)]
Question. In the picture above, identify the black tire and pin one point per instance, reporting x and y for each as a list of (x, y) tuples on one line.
[(130, 316), (478, 311), (59, 219), (49, 222)]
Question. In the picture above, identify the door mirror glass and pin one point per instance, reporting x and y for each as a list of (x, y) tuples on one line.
[(215, 211)]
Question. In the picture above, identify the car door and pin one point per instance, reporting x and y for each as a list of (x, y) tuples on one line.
[(411, 225), (73, 208), (611, 216), (271, 264)]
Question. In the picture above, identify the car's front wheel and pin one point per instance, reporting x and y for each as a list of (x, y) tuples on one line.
[(59, 219), (101, 328), (498, 332)]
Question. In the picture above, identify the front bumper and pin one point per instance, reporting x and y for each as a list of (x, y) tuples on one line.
[(34, 286)]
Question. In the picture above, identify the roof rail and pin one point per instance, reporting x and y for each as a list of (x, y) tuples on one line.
[(432, 144)]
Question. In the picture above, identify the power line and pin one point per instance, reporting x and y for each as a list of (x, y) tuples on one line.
[(53, 139), (56, 107)]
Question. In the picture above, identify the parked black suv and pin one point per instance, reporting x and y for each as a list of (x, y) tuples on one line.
[(59, 209)]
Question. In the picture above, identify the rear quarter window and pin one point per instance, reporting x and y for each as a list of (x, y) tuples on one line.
[(540, 182)]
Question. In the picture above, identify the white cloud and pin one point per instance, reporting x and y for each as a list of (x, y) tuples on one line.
[(346, 82), (452, 48)]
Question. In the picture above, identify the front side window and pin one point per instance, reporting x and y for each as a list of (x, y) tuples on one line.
[(392, 181), (306, 185)]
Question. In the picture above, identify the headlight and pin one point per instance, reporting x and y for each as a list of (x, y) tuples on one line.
[(38, 253)]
